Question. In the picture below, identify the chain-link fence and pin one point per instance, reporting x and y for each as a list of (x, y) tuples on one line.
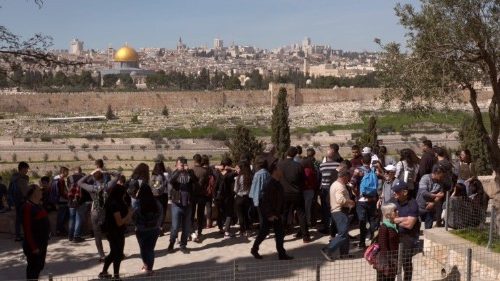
[(472, 218), (447, 263)]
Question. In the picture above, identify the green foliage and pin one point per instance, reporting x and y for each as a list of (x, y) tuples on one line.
[(244, 143), (280, 128), (478, 236), (470, 139), (369, 136), (45, 157), (110, 115), (135, 119), (7, 175)]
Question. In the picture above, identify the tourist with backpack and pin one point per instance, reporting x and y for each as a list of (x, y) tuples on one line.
[(59, 195), (77, 207), (366, 207), (158, 183), (95, 186), (117, 217), (18, 188), (407, 169), (386, 261), (210, 191)]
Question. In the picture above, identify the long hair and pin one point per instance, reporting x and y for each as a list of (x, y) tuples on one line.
[(141, 172), (147, 202), (158, 169), (247, 175), (116, 194), (409, 156)]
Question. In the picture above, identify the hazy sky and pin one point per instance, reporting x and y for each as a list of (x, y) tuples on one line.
[(343, 24)]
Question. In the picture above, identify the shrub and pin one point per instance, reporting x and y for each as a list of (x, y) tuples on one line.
[(76, 158), (14, 157), (90, 156), (135, 119), (71, 147), (118, 158), (316, 144), (85, 146), (45, 157), (27, 139), (104, 157), (95, 147), (132, 147), (142, 147), (46, 138), (165, 112)]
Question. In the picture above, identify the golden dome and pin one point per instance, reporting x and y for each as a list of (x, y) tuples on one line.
[(126, 54)]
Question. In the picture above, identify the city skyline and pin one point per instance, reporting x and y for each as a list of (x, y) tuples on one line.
[(347, 25)]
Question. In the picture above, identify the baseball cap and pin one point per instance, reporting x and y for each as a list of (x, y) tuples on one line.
[(400, 186), (390, 168), (366, 150)]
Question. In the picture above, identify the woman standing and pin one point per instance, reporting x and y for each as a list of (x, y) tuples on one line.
[(147, 226), (242, 185), (407, 169), (160, 191), (388, 239), (465, 170), (36, 232), (117, 218)]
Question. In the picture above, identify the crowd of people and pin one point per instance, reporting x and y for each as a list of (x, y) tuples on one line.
[(332, 196)]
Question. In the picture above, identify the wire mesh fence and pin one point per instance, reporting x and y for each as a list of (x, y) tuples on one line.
[(447, 263)]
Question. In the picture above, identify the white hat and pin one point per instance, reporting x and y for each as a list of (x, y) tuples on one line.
[(390, 168), (366, 150)]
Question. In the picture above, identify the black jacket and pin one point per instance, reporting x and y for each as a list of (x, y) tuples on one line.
[(293, 180), (272, 199)]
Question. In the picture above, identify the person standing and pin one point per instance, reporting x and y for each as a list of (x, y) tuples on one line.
[(61, 197), (293, 182), (118, 216), (310, 187), (271, 207), (242, 202), (18, 189), (328, 171), (340, 204), (182, 181), (427, 161), (77, 206), (147, 226), (225, 197), (388, 240), (199, 197), (158, 183), (407, 169), (408, 225), (385, 192), (36, 231), (260, 179)]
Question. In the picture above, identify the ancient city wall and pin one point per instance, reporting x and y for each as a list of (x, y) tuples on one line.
[(97, 102)]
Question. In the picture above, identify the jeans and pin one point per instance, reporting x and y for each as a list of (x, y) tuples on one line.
[(147, 242), (427, 218), (242, 207), (367, 212), (409, 247), (279, 235), (341, 241), (199, 203), (36, 263), (19, 219), (76, 220), (62, 216), (181, 218), (308, 200)]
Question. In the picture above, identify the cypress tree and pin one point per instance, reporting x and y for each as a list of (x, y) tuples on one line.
[(243, 142), (470, 138), (280, 135), (369, 137), (109, 113)]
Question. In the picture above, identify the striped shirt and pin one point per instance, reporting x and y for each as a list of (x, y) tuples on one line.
[(328, 171)]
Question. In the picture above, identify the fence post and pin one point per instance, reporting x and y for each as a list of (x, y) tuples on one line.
[(447, 206), (492, 225), (469, 264), (318, 272), (400, 262), (235, 270)]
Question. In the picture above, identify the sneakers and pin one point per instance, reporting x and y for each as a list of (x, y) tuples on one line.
[(255, 254), (228, 235), (285, 257)]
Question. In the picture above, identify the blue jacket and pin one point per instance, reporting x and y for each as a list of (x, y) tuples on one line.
[(260, 179)]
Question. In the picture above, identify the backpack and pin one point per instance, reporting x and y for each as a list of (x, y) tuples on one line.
[(369, 183), (98, 207), (212, 186), (54, 191)]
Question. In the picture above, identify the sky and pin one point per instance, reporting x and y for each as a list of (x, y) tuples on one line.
[(342, 24)]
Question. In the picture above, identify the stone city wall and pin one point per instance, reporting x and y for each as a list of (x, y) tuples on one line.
[(97, 102)]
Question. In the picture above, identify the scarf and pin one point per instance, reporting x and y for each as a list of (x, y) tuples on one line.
[(390, 225)]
